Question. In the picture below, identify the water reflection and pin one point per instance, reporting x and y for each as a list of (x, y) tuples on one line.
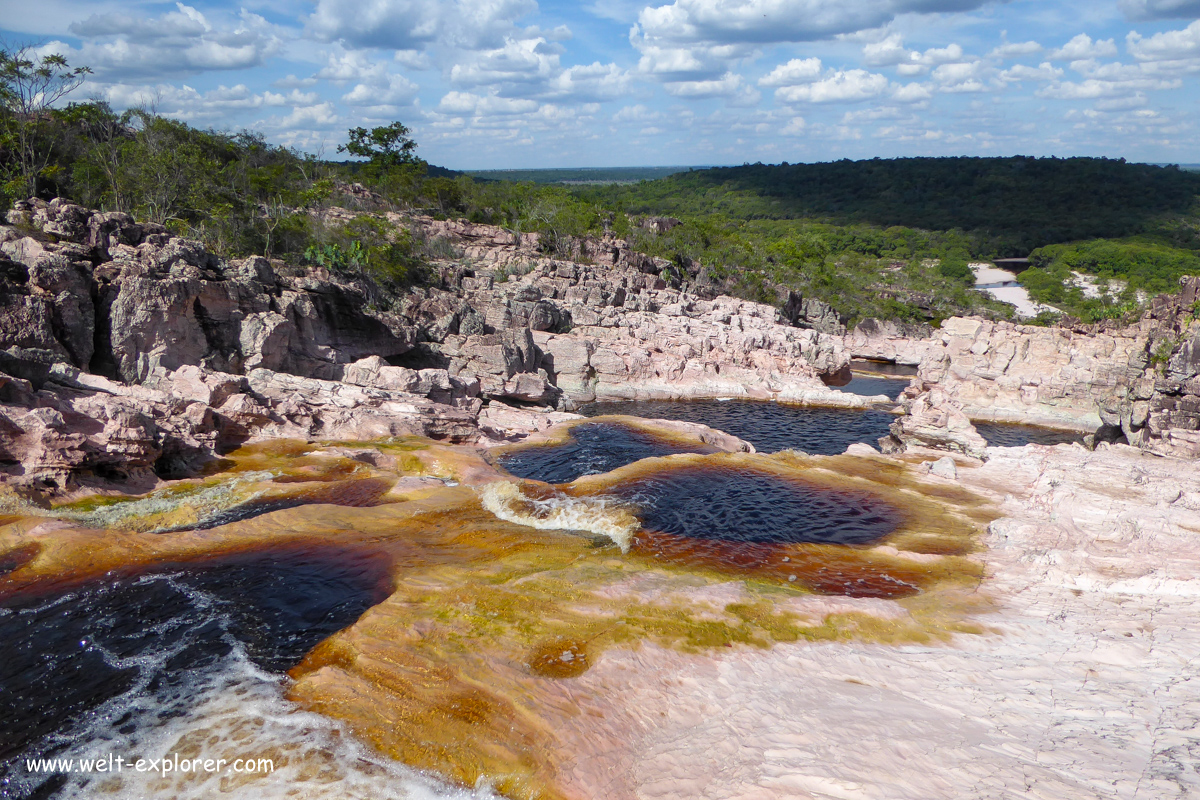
[(770, 427), (591, 449)]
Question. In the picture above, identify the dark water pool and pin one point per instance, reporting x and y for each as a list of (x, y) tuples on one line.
[(1004, 435), (107, 660), (593, 449), (883, 368), (770, 427), (746, 506), (869, 386)]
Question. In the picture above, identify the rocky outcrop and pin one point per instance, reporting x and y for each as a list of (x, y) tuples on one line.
[(125, 300), (614, 332), (104, 293), (1004, 372), (809, 312), (130, 354), (889, 340), (84, 429), (932, 420), (1138, 383)]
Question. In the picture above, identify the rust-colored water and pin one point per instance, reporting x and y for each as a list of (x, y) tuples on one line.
[(459, 670)]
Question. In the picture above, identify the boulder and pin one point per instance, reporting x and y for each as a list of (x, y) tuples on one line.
[(934, 421)]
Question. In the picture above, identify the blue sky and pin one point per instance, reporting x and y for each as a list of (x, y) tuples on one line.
[(521, 83)]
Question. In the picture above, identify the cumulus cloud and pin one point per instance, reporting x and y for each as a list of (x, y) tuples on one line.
[(966, 76), (1160, 9), (120, 46), (1020, 72), (912, 93), (1109, 80), (1166, 46), (798, 70), (839, 86), (1082, 47), (729, 86), (396, 90), (468, 104), (516, 61), (185, 103), (890, 52), (1015, 50), (594, 81), (776, 21), (414, 24)]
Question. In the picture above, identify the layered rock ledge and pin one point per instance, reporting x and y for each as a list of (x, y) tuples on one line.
[(129, 354), (1138, 383)]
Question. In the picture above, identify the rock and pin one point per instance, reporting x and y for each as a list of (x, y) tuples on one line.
[(888, 340), (659, 224), (944, 468), (934, 421)]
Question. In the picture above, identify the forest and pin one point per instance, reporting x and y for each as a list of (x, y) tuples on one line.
[(882, 238)]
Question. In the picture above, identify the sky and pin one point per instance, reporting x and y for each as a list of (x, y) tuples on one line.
[(505, 84)]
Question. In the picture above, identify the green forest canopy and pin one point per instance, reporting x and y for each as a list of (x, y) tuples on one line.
[(1010, 205)]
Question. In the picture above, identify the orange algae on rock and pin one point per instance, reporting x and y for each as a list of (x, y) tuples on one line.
[(462, 668)]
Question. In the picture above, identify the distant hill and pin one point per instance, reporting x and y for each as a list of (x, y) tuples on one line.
[(1012, 204), (583, 176)]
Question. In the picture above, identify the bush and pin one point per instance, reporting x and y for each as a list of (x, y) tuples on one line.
[(955, 268)]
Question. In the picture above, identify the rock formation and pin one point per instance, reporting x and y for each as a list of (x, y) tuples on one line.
[(932, 421), (1139, 383), (129, 354)]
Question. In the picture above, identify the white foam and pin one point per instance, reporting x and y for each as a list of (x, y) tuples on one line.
[(247, 717), (604, 516), (228, 709)]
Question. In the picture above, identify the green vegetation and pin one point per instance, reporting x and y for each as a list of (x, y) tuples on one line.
[(579, 176), (890, 239), (869, 214), (1124, 270), (861, 270), (1008, 205)]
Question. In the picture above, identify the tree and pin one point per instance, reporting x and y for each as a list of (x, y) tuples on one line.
[(385, 146), (30, 85)]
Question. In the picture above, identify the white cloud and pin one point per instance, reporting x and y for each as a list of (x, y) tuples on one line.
[(595, 81), (1015, 50), (636, 113), (728, 85), (963, 76), (1166, 46), (414, 24), (119, 46), (516, 61), (316, 116), (798, 70), (397, 90), (886, 52), (1020, 72), (203, 108), (1109, 80), (775, 21), (911, 93), (1082, 47), (352, 66), (795, 127), (890, 52), (841, 86), (467, 104)]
